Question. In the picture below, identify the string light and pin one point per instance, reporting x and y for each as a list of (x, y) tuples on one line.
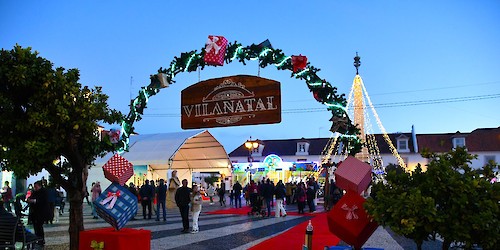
[(184, 63)]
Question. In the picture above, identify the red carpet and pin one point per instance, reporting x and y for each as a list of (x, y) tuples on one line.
[(294, 237)]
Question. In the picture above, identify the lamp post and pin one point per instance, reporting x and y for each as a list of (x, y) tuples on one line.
[(250, 145)]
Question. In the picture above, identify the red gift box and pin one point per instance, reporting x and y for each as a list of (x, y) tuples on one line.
[(353, 174), (349, 221), (215, 50), (118, 169), (108, 238), (299, 62)]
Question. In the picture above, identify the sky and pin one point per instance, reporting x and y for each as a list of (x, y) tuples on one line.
[(431, 64)]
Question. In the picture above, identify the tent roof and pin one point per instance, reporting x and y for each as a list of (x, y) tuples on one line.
[(194, 149)]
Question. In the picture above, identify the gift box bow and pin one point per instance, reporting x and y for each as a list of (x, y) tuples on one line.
[(212, 44), (97, 245), (111, 198), (350, 212)]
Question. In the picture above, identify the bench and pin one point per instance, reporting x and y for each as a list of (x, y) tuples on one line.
[(12, 231)]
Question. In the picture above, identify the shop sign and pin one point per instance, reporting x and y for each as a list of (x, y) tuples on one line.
[(231, 101)]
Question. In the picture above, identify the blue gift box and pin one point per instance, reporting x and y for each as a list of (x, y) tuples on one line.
[(116, 205)]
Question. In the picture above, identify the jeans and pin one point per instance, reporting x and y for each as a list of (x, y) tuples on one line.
[(162, 203), (268, 205), (237, 200)]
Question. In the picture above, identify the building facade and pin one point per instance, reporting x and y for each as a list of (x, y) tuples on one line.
[(295, 159)]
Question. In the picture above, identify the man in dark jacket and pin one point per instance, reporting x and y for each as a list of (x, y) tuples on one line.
[(146, 192), (267, 193), (41, 210), (237, 194), (161, 198), (182, 199)]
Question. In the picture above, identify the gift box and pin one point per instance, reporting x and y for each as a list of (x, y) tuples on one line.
[(109, 238), (118, 169), (299, 62), (353, 174), (116, 205), (215, 50), (349, 221)]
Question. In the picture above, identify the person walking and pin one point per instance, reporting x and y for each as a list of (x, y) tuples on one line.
[(153, 197), (146, 194), (96, 191), (222, 194), (280, 192), (311, 195), (196, 202), (237, 188), (211, 193), (52, 193), (301, 195), (41, 210), (267, 193), (133, 190), (182, 199), (7, 196), (161, 198)]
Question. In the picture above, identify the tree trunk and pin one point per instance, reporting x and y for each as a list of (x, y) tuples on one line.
[(75, 217), (446, 244)]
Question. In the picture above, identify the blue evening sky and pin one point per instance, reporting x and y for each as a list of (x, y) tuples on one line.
[(411, 51)]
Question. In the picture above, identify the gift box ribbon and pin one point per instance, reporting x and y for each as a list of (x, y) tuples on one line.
[(97, 245), (350, 212), (212, 44), (112, 197)]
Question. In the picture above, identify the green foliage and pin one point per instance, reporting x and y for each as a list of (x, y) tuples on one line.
[(400, 205), (45, 113), (211, 179), (450, 199)]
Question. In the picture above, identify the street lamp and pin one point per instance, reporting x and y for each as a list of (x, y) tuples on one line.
[(251, 145)]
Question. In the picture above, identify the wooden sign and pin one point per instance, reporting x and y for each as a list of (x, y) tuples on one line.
[(231, 101)]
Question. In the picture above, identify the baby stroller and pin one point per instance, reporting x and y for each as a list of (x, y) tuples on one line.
[(257, 207)]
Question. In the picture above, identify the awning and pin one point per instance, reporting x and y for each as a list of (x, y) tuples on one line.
[(194, 149)]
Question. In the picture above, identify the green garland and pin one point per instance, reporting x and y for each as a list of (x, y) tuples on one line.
[(323, 91)]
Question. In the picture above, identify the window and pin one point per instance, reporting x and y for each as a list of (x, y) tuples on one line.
[(458, 142), (302, 148), (402, 144), (488, 158)]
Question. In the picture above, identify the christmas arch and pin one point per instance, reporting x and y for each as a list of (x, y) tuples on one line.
[(215, 53)]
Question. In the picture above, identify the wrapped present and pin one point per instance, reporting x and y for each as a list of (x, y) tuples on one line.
[(118, 169), (299, 62), (109, 238), (116, 205), (349, 221), (215, 50), (353, 174)]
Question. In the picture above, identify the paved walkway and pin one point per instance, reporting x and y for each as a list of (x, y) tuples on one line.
[(216, 231)]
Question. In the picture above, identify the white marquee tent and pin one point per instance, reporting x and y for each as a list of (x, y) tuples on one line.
[(187, 152)]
